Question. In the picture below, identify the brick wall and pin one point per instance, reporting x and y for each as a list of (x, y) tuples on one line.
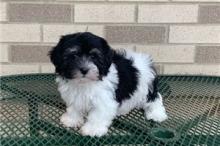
[(183, 36)]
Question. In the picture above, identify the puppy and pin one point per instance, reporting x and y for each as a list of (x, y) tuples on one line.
[(98, 83)]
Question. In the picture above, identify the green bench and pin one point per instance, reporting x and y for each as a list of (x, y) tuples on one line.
[(31, 108)]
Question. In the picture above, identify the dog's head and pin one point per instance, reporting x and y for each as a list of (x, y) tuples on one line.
[(82, 56)]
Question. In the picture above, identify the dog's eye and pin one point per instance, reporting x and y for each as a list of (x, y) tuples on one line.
[(93, 56), (74, 55), (65, 57), (70, 57)]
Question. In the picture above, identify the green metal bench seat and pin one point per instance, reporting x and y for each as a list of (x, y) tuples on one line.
[(31, 107)]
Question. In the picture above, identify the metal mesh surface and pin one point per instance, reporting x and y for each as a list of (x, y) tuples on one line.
[(31, 108)]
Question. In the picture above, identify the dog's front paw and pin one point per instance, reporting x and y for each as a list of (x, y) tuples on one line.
[(93, 130), (69, 121)]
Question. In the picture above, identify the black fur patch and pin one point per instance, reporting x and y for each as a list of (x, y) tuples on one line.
[(153, 88), (128, 77)]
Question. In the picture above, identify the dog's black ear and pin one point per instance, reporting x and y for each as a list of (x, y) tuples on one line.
[(53, 55), (108, 55), (106, 47), (55, 52)]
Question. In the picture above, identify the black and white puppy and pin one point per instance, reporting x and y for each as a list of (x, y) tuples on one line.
[(98, 83)]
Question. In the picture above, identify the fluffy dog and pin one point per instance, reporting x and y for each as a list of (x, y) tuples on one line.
[(98, 83)]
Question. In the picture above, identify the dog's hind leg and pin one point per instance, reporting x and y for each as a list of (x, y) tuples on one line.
[(155, 110)]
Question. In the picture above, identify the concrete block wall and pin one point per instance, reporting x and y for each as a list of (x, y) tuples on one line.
[(183, 36)]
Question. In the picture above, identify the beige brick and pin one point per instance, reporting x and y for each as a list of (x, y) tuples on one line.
[(20, 33), (118, 47), (194, 34), (192, 69), (168, 53), (104, 13), (4, 53), (141, 0), (82, 0), (207, 54), (209, 14), (167, 13), (52, 33), (47, 68), (18, 69), (20, 12), (135, 34), (159, 68), (196, 0), (3, 11), (30, 53)]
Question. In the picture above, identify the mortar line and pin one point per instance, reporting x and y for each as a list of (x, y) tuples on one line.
[(136, 11), (110, 2), (41, 33), (72, 15)]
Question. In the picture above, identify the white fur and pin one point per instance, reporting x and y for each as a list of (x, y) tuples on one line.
[(155, 110), (94, 102)]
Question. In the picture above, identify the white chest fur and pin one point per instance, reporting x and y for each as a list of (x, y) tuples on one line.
[(83, 95)]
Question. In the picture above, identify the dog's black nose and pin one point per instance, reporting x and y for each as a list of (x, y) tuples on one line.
[(84, 71)]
